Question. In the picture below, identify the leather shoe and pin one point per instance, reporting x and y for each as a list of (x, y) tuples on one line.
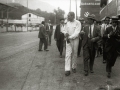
[(60, 56), (40, 50), (46, 50), (67, 73), (109, 75), (86, 73), (91, 71), (104, 61), (74, 70)]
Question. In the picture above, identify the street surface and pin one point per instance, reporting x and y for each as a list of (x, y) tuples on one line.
[(23, 67)]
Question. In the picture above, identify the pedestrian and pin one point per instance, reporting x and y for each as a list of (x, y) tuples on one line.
[(91, 34), (99, 42), (42, 35), (50, 32), (112, 36), (80, 39), (59, 36), (71, 32), (103, 29)]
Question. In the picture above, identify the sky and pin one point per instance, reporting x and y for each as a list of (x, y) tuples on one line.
[(65, 5)]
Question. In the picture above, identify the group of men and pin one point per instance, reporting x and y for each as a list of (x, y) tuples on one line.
[(77, 34), (45, 34)]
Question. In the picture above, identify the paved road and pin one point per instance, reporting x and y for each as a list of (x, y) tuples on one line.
[(22, 67)]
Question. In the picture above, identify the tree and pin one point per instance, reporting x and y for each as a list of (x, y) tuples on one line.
[(59, 14)]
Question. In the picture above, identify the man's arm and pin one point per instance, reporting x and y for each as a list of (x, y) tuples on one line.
[(55, 33), (77, 31), (42, 29)]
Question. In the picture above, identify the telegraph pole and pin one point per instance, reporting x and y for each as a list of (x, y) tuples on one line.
[(70, 6), (76, 8)]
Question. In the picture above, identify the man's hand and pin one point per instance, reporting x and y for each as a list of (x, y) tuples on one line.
[(110, 34), (82, 33), (66, 35), (93, 40)]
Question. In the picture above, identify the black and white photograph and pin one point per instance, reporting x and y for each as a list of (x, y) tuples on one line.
[(59, 44)]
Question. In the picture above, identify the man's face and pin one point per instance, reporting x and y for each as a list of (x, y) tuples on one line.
[(70, 17), (114, 23), (107, 20), (90, 21), (62, 21)]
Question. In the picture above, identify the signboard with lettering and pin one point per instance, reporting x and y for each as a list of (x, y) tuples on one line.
[(91, 7), (90, 3)]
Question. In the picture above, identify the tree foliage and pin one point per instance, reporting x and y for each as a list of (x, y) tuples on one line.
[(21, 10)]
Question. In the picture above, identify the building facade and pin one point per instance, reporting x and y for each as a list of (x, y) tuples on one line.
[(111, 9), (90, 7)]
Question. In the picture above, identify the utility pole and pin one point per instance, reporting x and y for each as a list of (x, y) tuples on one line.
[(76, 9), (70, 6)]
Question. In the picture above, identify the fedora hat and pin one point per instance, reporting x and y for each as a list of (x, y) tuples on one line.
[(92, 16), (114, 18), (81, 19)]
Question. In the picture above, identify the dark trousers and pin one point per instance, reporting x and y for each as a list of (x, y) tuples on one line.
[(60, 44), (41, 42), (88, 57), (50, 36), (104, 53), (111, 59), (79, 47)]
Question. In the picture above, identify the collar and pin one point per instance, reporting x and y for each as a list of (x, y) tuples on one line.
[(42, 24), (114, 27)]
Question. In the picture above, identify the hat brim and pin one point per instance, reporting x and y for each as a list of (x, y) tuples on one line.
[(91, 18)]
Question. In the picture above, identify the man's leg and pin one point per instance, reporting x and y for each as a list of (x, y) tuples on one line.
[(79, 47), (104, 53), (61, 46), (68, 59), (45, 44), (74, 52), (92, 58), (50, 39), (40, 44), (58, 45), (86, 58)]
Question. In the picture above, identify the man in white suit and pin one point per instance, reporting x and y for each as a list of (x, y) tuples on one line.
[(71, 32)]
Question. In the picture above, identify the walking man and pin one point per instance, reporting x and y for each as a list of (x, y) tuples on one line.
[(103, 29), (59, 36), (71, 32), (112, 34), (91, 35), (42, 35), (50, 27)]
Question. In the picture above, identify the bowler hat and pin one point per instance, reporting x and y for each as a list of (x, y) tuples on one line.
[(92, 16)]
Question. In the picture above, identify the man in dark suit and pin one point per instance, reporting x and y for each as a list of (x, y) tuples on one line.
[(59, 36), (50, 32), (103, 29), (80, 39), (42, 36), (91, 34), (112, 34)]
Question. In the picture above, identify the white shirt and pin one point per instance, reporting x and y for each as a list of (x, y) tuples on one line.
[(92, 28), (73, 29), (61, 27)]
